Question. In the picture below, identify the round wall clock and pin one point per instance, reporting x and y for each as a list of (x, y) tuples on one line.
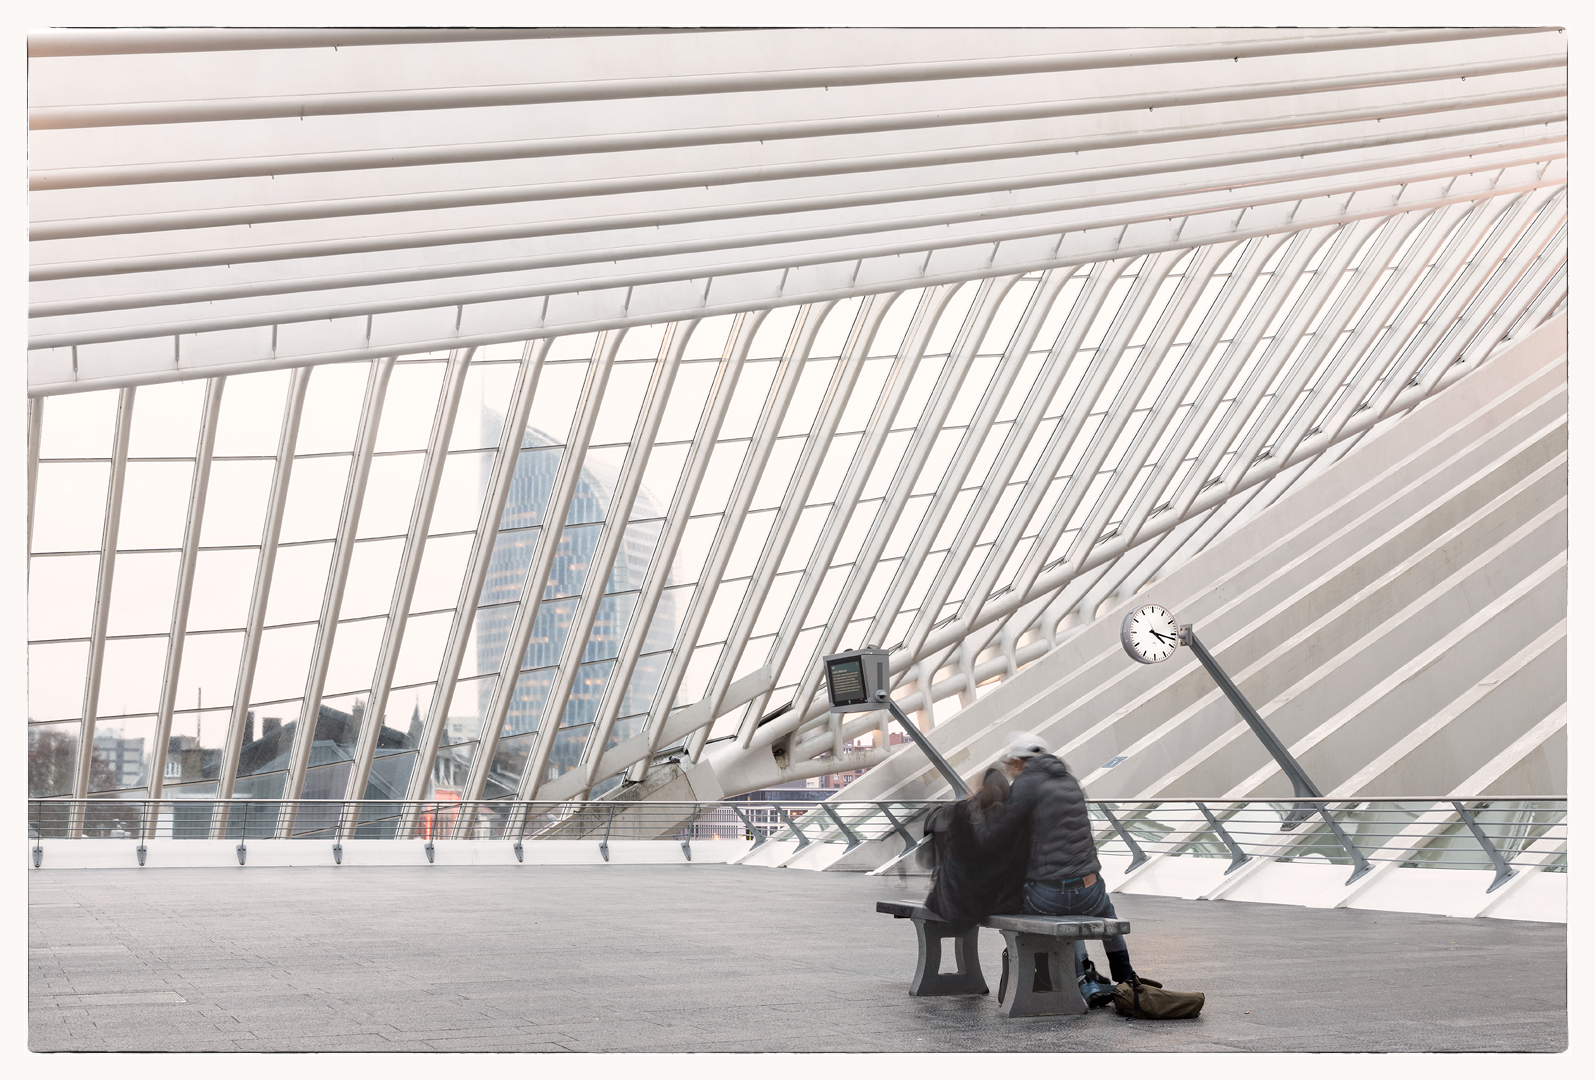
[(1150, 634)]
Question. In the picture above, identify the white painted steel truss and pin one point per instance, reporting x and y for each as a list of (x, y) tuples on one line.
[(952, 413)]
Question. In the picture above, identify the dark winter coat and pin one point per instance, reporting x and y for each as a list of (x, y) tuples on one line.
[(980, 864), (1049, 800)]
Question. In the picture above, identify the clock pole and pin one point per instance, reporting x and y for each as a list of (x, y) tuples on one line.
[(1300, 782)]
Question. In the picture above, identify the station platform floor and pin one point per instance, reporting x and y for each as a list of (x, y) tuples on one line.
[(684, 958)]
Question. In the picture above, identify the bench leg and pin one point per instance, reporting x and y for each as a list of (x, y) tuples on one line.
[(1021, 998), (928, 978)]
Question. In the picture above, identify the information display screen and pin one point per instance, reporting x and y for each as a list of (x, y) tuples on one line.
[(846, 678)]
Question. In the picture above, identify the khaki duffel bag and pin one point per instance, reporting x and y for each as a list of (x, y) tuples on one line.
[(1145, 999)]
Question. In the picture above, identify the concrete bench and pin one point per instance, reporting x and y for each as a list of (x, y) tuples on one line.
[(1028, 936)]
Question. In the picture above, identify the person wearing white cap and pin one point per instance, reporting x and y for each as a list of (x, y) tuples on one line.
[(1064, 876)]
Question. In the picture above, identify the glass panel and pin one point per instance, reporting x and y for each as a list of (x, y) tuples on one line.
[(437, 584), (484, 402), (373, 572), (693, 549), (806, 536), (484, 651), (194, 747), (298, 583), (750, 544), (235, 503), (166, 420), (250, 419), (727, 602), (55, 679), (338, 723), (315, 499), (805, 403), (662, 628), (773, 333), (893, 328), (506, 569), (154, 504), (466, 709), (559, 391), (409, 406), (659, 479), (773, 605), (79, 425), (777, 473), (747, 401), (258, 819), (572, 347), (585, 693), (69, 505), (284, 662), (130, 675), (614, 612), (61, 595), (833, 469), (461, 491), (645, 683), (642, 342), (952, 319), (223, 584), (122, 754), (625, 728), (710, 337), (333, 402), (209, 661), (549, 631), (600, 476), (142, 589), (527, 703), (636, 552), (571, 560), (52, 759), (405, 720), (622, 406), (354, 655), (449, 772), (567, 750), (688, 394), (509, 763), (535, 473), (421, 651), (389, 779), (832, 335), (695, 682), (390, 495)]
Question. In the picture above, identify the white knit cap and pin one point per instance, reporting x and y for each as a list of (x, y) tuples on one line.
[(1022, 744)]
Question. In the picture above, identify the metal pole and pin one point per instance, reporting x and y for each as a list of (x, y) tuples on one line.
[(1238, 857), (931, 752), (1503, 870), (852, 838), (786, 819), (1137, 856), (1303, 786)]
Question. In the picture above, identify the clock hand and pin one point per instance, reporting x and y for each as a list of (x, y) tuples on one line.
[(1163, 637)]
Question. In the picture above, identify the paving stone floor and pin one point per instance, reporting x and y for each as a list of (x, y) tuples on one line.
[(716, 958)]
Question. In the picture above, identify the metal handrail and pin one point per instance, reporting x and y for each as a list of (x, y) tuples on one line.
[(1482, 832)]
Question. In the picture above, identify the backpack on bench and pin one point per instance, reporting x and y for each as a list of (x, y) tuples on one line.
[(1145, 999)]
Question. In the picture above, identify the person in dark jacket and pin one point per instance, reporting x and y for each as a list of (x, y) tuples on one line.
[(1064, 876), (980, 863)]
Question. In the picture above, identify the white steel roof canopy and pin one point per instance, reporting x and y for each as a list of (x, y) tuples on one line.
[(294, 197), (931, 340)]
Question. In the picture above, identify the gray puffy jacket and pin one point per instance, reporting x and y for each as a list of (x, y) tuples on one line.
[(1051, 802)]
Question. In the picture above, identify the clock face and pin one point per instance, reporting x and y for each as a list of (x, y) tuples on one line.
[(1150, 634)]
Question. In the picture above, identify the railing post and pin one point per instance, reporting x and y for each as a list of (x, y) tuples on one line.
[(897, 826), (603, 845), (1503, 869), (1345, 842), (758, 837), (852, 840), (1238, 857), (786, 818), (686, 844), (1137, 856)]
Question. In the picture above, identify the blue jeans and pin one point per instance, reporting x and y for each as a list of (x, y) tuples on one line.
[(1090, 901)]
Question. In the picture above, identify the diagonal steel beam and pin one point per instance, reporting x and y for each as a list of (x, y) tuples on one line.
[(185, 586)]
